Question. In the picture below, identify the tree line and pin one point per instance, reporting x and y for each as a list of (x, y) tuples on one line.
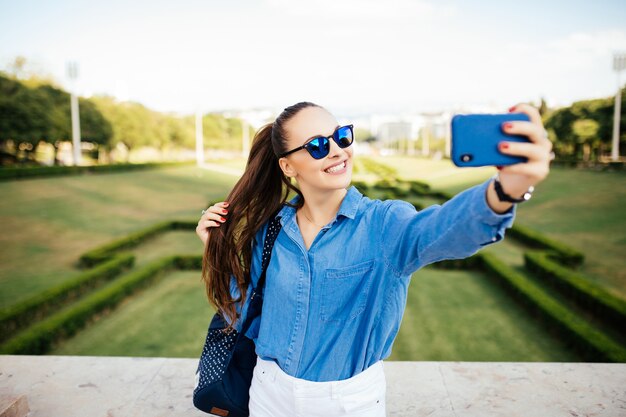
[(33, 112)]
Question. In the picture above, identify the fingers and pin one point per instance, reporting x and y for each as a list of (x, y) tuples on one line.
[(532, 151), (214, 215), (536, 133), (531, 111)]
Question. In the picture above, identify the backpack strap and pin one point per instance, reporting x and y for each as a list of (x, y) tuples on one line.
[(254, 308)]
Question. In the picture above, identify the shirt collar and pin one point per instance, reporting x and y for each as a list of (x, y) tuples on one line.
[(348, 207)]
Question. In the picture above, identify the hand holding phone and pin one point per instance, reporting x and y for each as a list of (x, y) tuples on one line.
[(475, 139)]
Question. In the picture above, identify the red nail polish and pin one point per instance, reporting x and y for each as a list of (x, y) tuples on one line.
[(499, 167), (504, 145), (223, 219), (511, 109), (508, 125), (224, 211)]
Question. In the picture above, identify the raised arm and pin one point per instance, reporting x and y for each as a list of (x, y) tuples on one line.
[(454, 230)]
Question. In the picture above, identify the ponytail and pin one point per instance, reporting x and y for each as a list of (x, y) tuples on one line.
[(258, 194)]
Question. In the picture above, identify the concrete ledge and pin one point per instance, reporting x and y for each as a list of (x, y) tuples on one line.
[(68, 386)]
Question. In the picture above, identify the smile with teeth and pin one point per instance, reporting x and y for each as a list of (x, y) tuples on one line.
[(336, 168)]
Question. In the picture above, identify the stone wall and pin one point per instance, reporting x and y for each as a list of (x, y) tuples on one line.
[(79, 386)]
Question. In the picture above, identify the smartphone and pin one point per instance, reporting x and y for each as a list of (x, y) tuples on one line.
[(475, 138)]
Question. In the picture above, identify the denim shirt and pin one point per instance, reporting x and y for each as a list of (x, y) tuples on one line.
[(333, 310)]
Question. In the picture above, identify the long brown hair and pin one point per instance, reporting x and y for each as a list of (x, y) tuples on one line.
[(260, 192)]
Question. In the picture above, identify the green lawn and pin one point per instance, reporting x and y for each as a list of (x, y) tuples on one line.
[(450, 315), (168, 319), (462, 315), (48, 223)]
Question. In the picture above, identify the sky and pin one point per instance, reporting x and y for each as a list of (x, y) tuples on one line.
[(350, 56)]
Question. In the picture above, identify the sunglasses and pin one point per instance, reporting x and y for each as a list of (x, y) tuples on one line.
[(319, 146)]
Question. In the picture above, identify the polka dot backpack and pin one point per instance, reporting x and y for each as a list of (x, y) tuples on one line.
[(224, 373)]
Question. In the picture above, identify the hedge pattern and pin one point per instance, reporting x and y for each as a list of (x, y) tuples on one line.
[(91, 298), (41, 336), (593, 343), (37, 307), (594, 298), (13, 173)]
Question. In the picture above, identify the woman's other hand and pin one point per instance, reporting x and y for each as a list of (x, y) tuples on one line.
[(212, 217)]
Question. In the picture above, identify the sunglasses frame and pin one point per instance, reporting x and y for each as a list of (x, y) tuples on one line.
[(328, 138)]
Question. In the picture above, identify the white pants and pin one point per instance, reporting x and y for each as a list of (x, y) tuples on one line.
[(273, 393)]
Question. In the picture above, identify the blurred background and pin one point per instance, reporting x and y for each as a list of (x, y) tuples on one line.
[(90, 91)]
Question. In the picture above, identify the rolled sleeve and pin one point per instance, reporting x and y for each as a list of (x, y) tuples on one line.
[(494, 224), (454, 230)]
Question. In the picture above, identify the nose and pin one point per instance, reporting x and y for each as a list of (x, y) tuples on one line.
[(335, 150)]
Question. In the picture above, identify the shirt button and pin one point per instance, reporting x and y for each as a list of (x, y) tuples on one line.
[(493, 239)]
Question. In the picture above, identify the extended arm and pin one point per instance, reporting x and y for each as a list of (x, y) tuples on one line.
[(454, 230)]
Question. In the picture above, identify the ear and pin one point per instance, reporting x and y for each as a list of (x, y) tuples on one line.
[(287, 168)]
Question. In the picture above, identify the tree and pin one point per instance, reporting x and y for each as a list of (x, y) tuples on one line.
[(29, 116), (584, 129)]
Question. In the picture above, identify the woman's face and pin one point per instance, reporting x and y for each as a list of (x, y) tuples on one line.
[(308, 171)]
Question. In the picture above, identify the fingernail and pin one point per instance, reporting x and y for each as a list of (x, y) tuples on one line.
[(499, 167), (223, 219), (508, 125), (511, 109), (224, 211), (504, 145), (225, 204)]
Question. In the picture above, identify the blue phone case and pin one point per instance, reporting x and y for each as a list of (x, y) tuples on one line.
[(475, 139)]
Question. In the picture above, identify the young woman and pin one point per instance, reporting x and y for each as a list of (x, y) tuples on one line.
[(337, 281)]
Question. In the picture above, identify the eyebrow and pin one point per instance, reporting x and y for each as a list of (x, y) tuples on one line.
[(317, 136)]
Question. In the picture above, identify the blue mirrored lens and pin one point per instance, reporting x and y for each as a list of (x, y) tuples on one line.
[(318, 147), (344, 137)]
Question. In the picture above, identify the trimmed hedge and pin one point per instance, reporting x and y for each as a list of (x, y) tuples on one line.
[(11, 173), (386, 185), (188, 262), (442, 195), (564, 253), (382, 170), (416, 203), (592, 343), (471, 262), (591, 296), (361, 186), (18, 315), (41, 336), (105, 252)]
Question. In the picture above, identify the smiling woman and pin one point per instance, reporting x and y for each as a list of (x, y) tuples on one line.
[(338, 277)]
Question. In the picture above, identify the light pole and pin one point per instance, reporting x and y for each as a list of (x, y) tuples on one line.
[(245, 137), (199, 139), (448, 148), (72, 74), (619, 64)]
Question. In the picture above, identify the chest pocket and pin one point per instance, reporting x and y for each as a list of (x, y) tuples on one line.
[(344, 292)]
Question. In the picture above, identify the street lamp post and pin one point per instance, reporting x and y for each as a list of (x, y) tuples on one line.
[(72, 74), (199, 139), (619, 64), (245, 137)]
